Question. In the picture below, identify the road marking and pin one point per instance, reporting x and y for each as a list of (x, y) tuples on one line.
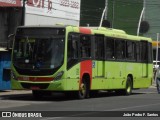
[(17, 103), (91, 112), (133, 107)]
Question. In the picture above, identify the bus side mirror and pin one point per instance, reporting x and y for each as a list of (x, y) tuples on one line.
[(10, 41)]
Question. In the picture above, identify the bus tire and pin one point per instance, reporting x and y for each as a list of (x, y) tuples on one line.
[(128, 88), (37, 94), (83, 91)]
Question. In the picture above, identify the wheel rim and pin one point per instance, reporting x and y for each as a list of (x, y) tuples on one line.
[(82, 89), (129, 88)]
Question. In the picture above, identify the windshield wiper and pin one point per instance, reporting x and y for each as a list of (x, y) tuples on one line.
[(30, 47)]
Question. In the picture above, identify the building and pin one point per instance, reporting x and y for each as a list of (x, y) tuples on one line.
[(51, 12)]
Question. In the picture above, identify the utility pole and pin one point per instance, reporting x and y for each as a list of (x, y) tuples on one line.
[(156, 68), (113, 7), (102, 17), (157, 48), (106, 5), (23, 12), (141, 16), (144, 6), (104, 14)]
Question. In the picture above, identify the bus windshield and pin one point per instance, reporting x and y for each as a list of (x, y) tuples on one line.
[(38, 52)]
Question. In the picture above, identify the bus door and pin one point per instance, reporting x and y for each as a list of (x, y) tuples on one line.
[(144, 58), (98, 48), (110, 67), (99, 55)]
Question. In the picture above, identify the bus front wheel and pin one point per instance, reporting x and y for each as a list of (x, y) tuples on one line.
[(37, 94), (83, 90)]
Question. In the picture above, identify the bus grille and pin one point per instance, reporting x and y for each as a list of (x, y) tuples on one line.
[(30, 85)]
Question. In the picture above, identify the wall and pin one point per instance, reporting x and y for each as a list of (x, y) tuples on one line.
[(125, 14), (10, 18), (50, 12), (153, 17), (31, 19), (91, 12)]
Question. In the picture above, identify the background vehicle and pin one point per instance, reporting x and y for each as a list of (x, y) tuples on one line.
[(80, 61), (156, 64)]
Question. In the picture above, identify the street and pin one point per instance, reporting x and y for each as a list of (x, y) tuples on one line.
[(146, 100)]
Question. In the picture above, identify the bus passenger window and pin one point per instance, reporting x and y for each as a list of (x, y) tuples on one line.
[(73, 46), (137, 47), (144, 51), (130, 50), (99, 47), (150, 53), (109, 48), (85, 46), (120, 49)]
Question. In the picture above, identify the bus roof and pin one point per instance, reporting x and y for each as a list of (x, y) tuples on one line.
[(115, 33), (110, 32)]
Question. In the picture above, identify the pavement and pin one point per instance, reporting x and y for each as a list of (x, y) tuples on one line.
[(14, 92), (153, 85)]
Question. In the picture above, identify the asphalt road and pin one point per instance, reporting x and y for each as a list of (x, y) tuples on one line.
[(143, 103)]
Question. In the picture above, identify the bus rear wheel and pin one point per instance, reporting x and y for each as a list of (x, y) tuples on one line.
[(128, 89)]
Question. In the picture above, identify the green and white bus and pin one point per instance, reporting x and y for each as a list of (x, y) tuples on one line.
[(80, 60)]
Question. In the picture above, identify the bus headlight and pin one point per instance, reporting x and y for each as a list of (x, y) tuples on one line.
[(59, 75)]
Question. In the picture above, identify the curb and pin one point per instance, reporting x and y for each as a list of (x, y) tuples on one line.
[(9, 93)]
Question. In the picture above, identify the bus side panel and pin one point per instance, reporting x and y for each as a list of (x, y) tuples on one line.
[(136, 73), (120, 78), (86, 68), (115, 74), (15, 85), (141, 81), (98, 81), (147, 80), (73, 78), (150, 74)]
